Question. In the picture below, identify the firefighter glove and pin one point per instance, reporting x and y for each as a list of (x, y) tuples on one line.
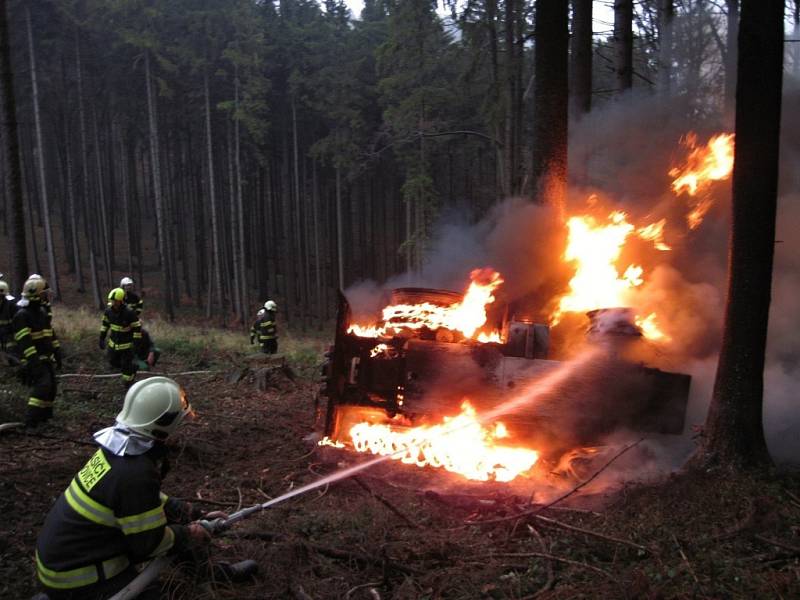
[(102, 343), (198, 535)]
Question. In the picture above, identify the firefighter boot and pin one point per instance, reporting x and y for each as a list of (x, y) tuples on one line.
[(235, 572)]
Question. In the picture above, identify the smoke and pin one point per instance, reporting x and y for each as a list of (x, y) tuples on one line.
[(621, 155)]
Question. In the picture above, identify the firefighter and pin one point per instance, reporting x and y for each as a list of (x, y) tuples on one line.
[(267, 333), (113, 515), (8, 306), (132, 300), (147, 353), (125, 338), (256, 325), (36, 350)]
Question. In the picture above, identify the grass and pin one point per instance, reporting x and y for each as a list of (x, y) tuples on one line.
[(195, 345)]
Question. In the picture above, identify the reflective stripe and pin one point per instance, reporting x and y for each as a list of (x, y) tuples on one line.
[(167, 542), (29, 351), (152, 519), (120, 327), (37, 335), (81, 576), (82, 504), (136, 324), (127, 377), (22, 333), (125, 346), (33, 401)]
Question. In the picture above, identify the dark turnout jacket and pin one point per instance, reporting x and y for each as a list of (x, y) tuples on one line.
[(33, 333), (125, 326), (112, 514)]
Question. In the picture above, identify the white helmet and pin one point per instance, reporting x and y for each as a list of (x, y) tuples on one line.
[(261, 312), (34, 287), (154, 407), (3, 288), (270, 305), (125, 281)]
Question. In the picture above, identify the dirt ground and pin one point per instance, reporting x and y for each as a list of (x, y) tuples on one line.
[(396, 531)]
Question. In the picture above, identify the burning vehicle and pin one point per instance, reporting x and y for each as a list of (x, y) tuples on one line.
[(414, 386), (467, 383)]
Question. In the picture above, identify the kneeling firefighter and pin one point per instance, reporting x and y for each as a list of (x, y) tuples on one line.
[(113, 514)]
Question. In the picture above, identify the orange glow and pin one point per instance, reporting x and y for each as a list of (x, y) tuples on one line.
[(461, 444), (654, 233), (467, 316), (703, 166)]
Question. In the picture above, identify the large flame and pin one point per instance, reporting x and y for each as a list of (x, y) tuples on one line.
[(594, 248), (461, 444), (703, 166), (467, 316)]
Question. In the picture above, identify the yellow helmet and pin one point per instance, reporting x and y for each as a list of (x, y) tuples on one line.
[(154, 407), (34, 287), (116, 294)]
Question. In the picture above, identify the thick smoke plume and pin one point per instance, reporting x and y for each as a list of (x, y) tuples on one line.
[(620, 157)]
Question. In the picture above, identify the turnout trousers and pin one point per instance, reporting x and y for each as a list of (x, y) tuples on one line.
[(123, 360), (42, 379)]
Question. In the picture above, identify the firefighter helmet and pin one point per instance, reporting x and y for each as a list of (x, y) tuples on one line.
[(154, 407), (270, 305), (3, 288), (116, 294), (34, 287), (125, 281), (261, 312)]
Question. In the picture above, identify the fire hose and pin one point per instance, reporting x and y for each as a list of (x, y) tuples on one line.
[(151, 572)]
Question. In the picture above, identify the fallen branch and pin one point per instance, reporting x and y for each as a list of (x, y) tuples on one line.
[(359, 558), (575, 563), (544, 507), (14, 425), (777, 544), (385, 502), (551, 578), (360, 587), (589, 532), (685, 560)]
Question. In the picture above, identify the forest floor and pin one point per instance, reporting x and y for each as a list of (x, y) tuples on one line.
[(393, 531)]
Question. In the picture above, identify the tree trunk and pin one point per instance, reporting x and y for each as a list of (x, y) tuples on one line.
[(796, 38), (105, 233), (734, 433), (549, 170), (339, 241), (157, 193), (240, 213), (623, 44), (666, 18), (213, 198), (73, 216), (730, 54), (48, 232), (12, 169), (581, 57)]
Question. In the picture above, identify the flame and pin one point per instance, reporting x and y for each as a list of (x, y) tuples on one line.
[(595, 248), (461, 444), (703, 166), (467, 316), (650, 328)]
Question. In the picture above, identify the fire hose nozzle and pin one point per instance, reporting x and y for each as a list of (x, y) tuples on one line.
[(217, 525)]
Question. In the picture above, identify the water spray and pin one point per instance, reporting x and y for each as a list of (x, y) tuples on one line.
[(534, 390)]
